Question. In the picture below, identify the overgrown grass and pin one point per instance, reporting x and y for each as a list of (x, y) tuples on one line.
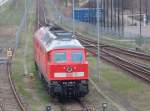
[(29, 86), (137, 92), (12, 13)]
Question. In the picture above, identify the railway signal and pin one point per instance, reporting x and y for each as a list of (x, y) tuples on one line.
[(73, 7), (140, 18), (98, 39), (9, 52), (146, 9)]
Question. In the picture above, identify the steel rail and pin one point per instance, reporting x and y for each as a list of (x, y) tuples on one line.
[(76, 105), (139, 55), (135, 68), (16, 95), (19, 100), (85, 106)]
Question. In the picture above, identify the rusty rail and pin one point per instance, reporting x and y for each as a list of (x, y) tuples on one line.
[(19, 100), (139, 55), (134, 68)]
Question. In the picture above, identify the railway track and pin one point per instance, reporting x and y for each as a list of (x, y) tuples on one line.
[(41, 14), (134, 68), (72, 105), (9, 98), (92, 42)]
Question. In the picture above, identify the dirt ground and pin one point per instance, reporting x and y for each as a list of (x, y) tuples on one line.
[(7, 31), (7, 36)]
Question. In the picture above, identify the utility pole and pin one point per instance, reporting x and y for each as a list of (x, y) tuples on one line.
[(104, 4), (73, 8), (132, 14), (115, 12), (146, 10), (118, 3), (66, 3), (102, 14), (107, 11), (98, 39), (111, 14), (122, 13), (25, 14), (38, 14), (140, 18), (89, 5)]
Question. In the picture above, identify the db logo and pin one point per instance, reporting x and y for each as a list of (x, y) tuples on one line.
[(69, 69)]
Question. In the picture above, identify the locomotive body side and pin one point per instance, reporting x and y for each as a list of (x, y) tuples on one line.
[(40, 55), (62, 65)]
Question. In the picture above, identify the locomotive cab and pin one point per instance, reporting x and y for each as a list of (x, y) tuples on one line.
[(68, 71), (62, 62), (68, 64)]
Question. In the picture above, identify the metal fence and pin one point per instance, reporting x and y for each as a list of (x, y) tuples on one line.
[(23, 23), (120, 18)]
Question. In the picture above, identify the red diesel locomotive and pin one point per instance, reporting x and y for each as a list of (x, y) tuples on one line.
[(61, 62)]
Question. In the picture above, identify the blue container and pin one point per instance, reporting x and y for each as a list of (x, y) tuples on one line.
[(87, 14)]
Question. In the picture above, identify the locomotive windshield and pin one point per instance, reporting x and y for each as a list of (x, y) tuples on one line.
[(76, 56), (68, 56), (60, 57)]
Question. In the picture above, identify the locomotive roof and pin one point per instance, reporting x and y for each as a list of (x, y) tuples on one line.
[(56, 38)]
